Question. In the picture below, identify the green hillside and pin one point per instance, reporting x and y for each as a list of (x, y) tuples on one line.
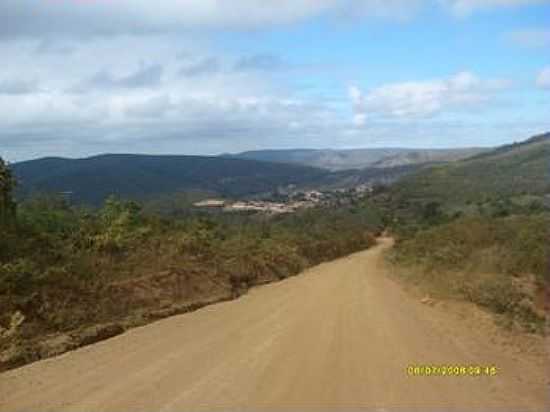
[(93, 179), (87, 273), (514, 170), (358, 158), (142, 177), (477, 230)]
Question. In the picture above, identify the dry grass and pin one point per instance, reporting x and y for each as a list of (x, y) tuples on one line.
[(499, 264)]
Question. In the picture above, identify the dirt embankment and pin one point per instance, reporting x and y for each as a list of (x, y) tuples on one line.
[(341, 335), (124, 305)]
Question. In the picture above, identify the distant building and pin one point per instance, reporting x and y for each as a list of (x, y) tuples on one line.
[(364, 188), (313, 195), (259, 206), (210, 203)]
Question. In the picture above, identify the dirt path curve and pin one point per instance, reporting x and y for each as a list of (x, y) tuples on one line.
[(339, 336)]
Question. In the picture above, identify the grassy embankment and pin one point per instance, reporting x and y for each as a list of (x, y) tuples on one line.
[(478, 230), (498, 263)]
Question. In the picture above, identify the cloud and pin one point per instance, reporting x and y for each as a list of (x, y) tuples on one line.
[(264, 62), (532, 38), (462, 91), (399, 10), (144, 77), (207, 65), (358, 104), (123, 105), (103, 17), (543, 78), (17, 87), (29, 17), (50, 46), (154, 107), (209, 98), (467, 7), (161, 123)]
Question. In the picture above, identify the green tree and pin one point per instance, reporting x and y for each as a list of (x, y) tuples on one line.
[(120, 225), (432, 212), (7, 204)]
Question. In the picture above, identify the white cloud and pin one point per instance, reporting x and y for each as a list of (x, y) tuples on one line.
[(123, 102), (138, 16), (356, 96), (534, 38), (392, 9), (143, 77), (359, 119), (543, 78), (18, 86), (467, 7), (462, 91), (152, 107), (358, 104), (109, 92), (31, 17)]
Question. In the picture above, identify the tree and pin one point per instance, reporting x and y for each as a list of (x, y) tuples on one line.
[(7, 205), (120, 226), (432, 212)]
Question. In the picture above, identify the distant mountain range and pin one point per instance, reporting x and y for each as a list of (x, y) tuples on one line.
[(91, 180), (521, 167), (358, 158)]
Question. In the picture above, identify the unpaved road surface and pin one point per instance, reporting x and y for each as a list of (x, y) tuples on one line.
[(340, 336)]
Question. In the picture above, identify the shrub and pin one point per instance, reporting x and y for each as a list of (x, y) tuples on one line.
[(18, 277), (7, 205)]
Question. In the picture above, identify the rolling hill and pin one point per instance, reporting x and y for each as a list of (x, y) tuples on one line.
[(358, 158), (507, 171), (91, 180), (518, 168)]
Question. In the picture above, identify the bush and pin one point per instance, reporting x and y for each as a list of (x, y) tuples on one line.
[(497, 263), (64, 267), (7, 205), (520, 242), (18, 277)]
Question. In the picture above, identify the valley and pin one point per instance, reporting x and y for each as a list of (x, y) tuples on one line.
[(275, 206), (75, 272)]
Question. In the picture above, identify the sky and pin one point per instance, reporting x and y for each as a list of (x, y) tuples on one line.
[(83, 77)]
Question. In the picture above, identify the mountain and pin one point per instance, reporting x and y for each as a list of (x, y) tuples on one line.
[(92, 179), (366, 176), (511, 170), (358, 158)]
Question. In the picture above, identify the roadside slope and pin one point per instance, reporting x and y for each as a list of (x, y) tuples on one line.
[(339, 335)]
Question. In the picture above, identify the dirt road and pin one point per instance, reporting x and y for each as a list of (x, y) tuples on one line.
[(341, 335)]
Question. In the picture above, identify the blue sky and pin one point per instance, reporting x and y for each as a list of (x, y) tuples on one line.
[(205, 77)]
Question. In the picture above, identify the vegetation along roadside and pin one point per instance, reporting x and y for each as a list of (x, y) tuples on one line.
[(71, 276)]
